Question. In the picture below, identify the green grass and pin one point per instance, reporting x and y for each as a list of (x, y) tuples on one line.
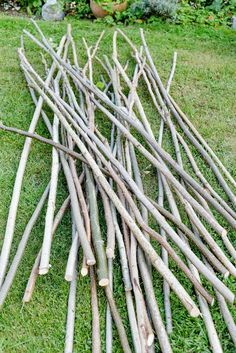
[(204, 86)]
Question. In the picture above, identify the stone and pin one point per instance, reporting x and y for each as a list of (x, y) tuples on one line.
[(52, 11), (234, 22)]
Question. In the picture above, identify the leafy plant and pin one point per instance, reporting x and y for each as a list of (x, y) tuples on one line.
[(108, 5), (148, 8), (102, 2), (143, 11), (206, 12), (213, 13), (79, 8), (32, 6)]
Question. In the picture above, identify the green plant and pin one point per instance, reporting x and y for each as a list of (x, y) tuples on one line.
[(32, 6), (79, 8), (147, 8), (213, 13), (108, 2), (107, 5), (206, 12), (142, 12)]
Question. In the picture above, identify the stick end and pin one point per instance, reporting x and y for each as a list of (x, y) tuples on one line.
[(194, 312), (69, 278), (43, 270), (224, 233), (84, 271), (150, 339), (226, 274), (91, 262), (104, 282), (27, 297)]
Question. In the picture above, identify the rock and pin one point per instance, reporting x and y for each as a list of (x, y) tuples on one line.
[(6, 6), (52, 11), (234, 22)]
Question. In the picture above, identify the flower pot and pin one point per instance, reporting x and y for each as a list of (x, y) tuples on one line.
[(99, 12)]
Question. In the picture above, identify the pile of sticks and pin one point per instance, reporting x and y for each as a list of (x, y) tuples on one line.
[(110, 174)]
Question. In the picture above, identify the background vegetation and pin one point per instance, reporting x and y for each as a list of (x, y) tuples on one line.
[(208, 12)]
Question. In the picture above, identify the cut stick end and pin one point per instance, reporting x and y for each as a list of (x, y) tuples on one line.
[(128, 288), (26, 298), (194, 312), (43, 271), (69, 278), (91, 262), (224, 233), (25, 301), (150, 339), (104, 282), (84, 271), (226, 274)]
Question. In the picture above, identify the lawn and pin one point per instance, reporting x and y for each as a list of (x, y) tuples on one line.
[(204, 86)]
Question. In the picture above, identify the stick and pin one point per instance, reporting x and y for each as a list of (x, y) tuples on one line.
[(119, 206), (221, 180), (34, 272), (195, 257), (71, 273), (166, 287), (77, 213), (204, 143), (44, 260), (116, 200), (96, 339), (153, 307), (10, 227), (70, 322), (164, 155), (109, 335), (21, 248), (117, 320), (96, 231), (144, 200)]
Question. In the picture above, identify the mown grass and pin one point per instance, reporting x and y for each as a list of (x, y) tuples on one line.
[(204, 86)]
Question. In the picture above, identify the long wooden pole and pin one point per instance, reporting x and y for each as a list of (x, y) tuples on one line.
[(10, 227)]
